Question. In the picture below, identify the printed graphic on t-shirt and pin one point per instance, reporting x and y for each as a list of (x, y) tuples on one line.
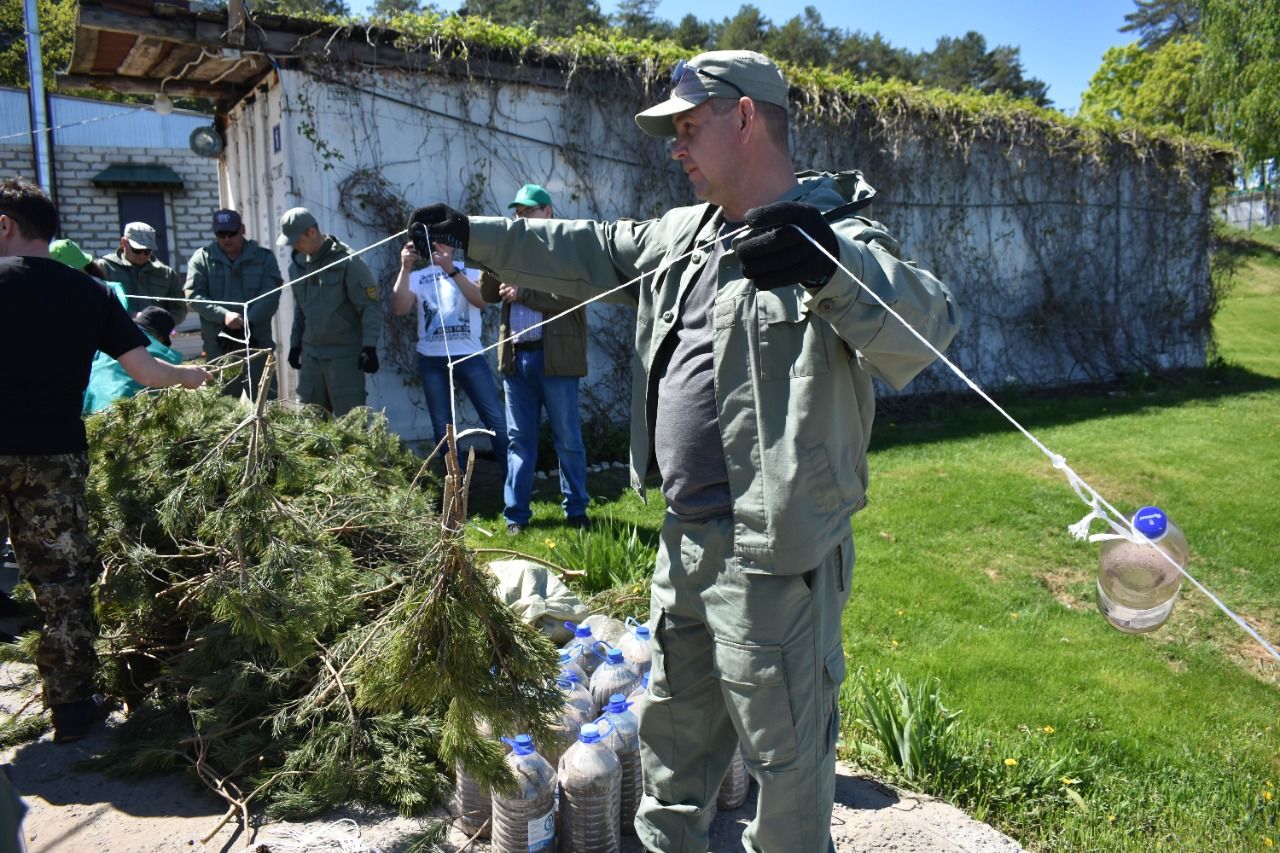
[(448, 324)]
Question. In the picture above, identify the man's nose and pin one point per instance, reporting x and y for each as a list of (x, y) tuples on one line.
[(678, 149)]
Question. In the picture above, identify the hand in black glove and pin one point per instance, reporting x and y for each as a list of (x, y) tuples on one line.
[(438, 223), (295, 358), (773, 254), (368, 360)]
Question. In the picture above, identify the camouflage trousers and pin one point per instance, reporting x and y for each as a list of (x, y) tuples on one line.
[(43, 498)]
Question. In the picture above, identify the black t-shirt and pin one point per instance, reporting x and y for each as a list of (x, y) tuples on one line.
[(52, 320)]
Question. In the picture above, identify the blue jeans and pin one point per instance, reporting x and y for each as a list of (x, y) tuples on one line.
[(528, 392), (473, 377)]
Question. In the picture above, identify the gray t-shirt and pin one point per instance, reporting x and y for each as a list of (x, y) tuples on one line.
[(686, 438)]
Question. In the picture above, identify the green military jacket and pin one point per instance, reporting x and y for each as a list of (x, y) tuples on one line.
[(564, 340), (151, 279), (212, 275), (336, 312), (793, 367)]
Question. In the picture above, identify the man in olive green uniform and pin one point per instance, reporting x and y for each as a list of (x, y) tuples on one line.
[(336, 316), (134, 264), (234, 269), (755, 353)]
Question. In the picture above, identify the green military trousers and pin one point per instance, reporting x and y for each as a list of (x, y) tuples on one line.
[(741, 656), (336, 384)]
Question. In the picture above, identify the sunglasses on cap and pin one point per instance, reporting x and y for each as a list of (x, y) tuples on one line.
[(684, 81)]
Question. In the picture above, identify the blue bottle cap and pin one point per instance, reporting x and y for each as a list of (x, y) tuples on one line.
[(617, 704), (615, 656), (642, 632), (523, 745), (579, 630), (1151, 522), (590, 733)]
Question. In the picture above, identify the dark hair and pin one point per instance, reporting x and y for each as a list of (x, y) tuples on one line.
[(772, 116), (30, 209)]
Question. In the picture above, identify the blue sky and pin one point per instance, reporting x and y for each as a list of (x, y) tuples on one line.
[(1062, 42)]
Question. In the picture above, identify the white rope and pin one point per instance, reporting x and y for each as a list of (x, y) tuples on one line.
[(342, 834), (1094, 499), (70, 124)]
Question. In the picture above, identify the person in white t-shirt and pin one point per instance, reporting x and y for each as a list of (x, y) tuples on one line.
[(448, 304)]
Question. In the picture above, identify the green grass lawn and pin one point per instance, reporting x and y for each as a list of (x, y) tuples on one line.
[(966, 573)]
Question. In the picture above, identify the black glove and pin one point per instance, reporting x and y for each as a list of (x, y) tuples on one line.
[(773, 254), (295, 358), (438, 223), (368, 360)]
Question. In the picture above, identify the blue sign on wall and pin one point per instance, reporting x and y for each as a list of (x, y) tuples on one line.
[(275, 138)]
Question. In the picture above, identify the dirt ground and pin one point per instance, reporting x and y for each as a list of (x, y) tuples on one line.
[(70, 809)]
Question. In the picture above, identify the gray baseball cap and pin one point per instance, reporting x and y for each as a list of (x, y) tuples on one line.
[(294, 224), (140, 235), (715, 74)]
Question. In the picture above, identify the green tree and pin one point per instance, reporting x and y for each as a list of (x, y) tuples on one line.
[(804, 40), (1241, 74), (693, 33), (387, 9), (636, 18), (871, 56), (57, 36), (965, 63), (302, 8), (550, 17), (1157, 86), (746, 30), (1158, 22)]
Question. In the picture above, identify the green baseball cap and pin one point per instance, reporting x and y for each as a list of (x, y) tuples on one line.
[(531, 195), (294, 224), (67, 252), (715, 74)]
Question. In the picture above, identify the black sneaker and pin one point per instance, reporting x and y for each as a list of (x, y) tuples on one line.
[(581, 522), (75, 720), (8, 559), (514, 529)]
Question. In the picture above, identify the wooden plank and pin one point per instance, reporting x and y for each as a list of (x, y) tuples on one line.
[(143, 57), (143, 86), (101, 18), (178, 60), (86, 50)]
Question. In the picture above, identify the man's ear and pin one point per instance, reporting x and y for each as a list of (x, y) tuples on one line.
[(746, 117)]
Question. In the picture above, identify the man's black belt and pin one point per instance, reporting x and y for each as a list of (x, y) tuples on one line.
[(528, 346)]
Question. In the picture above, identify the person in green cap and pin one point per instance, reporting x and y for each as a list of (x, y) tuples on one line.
[(134, 264), (337, 318), (69, 253), (540, 367), (753, 399), (234, 268)]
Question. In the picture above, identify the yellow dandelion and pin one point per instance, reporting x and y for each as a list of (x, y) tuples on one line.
[(550, 543), (1067, 780), (1111, 818), (894, 643), (1267, 842), (1266, 795), (901, 612), (1013, 616), (1011, 762), (1047, 730)]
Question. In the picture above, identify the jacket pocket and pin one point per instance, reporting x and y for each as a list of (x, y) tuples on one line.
[(791, 343), (754, 682)]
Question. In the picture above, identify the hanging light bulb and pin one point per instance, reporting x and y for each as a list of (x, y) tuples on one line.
[(162, 104)]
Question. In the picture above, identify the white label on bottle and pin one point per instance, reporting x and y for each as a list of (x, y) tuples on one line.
[(542, 832)]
